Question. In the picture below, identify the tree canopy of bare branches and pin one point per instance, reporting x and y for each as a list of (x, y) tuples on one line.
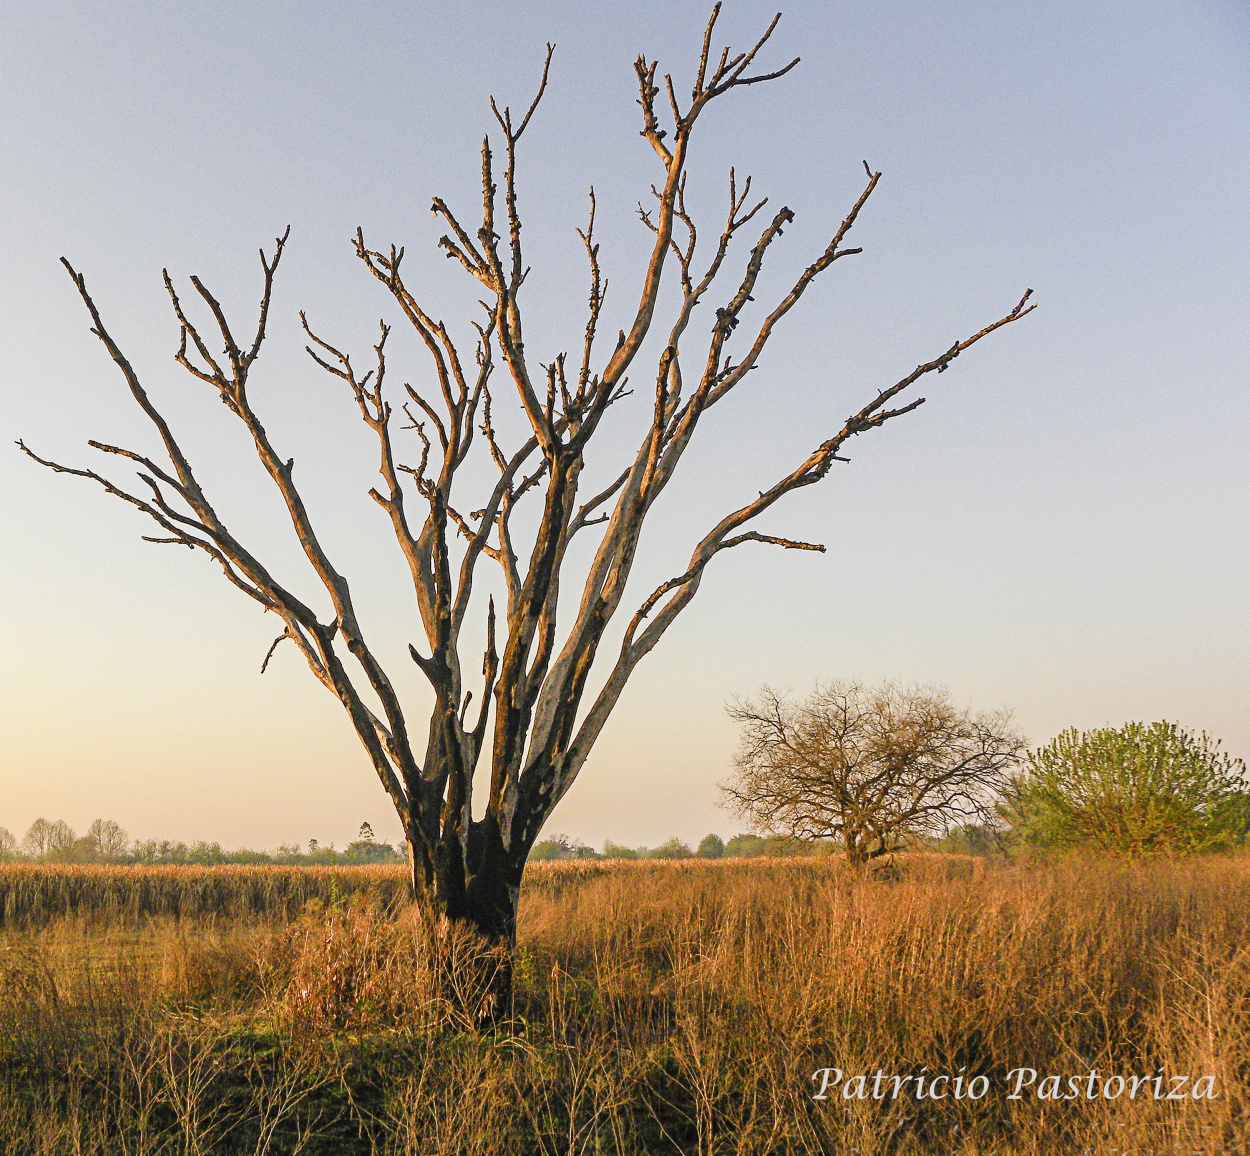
[(46, 838), (533, 711), (868, 766)]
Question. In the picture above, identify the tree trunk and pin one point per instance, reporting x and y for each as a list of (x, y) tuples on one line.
[(471, 909)]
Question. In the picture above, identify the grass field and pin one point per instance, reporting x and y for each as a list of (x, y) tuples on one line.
[(676, 1007)]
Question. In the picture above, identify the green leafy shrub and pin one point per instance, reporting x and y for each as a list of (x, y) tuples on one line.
[(672, 848), (367, 851), (560, 847), (711, 847), (1138, 790), (746, 846)]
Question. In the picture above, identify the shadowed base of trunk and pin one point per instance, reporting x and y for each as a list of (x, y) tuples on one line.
[(861, 851), (473, 935)]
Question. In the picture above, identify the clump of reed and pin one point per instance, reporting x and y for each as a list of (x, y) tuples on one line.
[(35, 895)]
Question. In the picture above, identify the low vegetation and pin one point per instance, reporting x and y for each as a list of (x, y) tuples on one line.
[(659, 1007), (750, 995), (36, 895), (741, 846)]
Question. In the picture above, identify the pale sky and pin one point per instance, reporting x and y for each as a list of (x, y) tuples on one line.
[(1062, 529)]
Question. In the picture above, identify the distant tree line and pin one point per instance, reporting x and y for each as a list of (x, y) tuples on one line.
[(741, 846), (106, 841)]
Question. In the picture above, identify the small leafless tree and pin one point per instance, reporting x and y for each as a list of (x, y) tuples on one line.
[(539, 709), (106, 839), (868, 766)]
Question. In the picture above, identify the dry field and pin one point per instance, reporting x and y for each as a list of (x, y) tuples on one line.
[(660, 1007)]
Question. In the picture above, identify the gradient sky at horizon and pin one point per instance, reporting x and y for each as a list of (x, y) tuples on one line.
[(1062, 529)]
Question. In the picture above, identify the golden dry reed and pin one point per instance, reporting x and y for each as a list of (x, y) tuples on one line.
[(678, 1007), (32, 895)]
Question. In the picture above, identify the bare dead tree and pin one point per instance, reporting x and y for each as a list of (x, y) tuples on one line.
[(868, 766), (535, 713)]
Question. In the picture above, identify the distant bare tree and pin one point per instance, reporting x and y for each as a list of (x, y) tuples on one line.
[(536, 714), (35, 841), (45, 839), (868, 766), (8, 845), (107, 840)]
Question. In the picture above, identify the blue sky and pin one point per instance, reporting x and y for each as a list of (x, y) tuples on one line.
[(1061, 529)]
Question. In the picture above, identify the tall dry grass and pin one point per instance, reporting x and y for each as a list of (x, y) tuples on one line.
[(33, 895), (659, 1007)]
